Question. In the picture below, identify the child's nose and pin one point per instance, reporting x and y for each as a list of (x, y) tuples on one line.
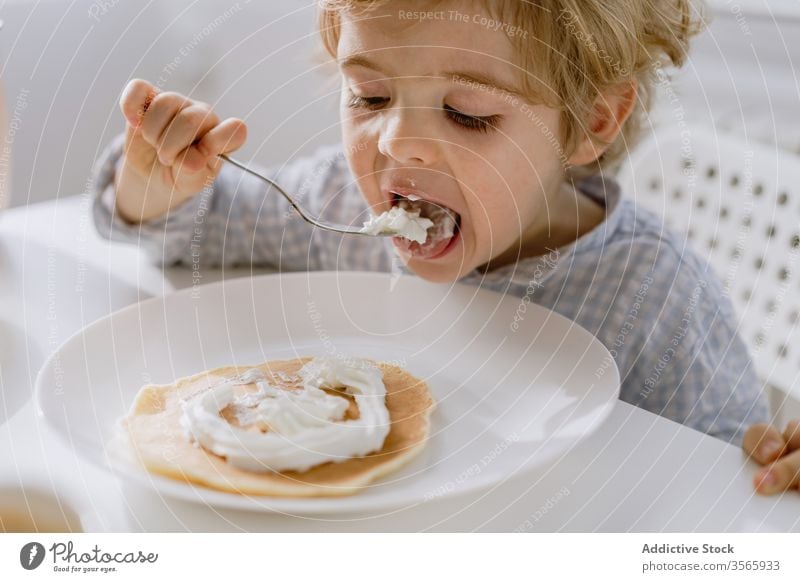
[(407, 137)]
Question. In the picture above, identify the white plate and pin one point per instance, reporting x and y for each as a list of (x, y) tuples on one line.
[(508, 401)]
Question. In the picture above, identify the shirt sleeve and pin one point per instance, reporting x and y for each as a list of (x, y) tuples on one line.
[(690, 364), (239, 220), (163, 239)]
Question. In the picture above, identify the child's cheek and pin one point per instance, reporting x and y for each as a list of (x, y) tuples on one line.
[(501, 227), (359, 141), (503, 215), (483, 227), (361, 160)]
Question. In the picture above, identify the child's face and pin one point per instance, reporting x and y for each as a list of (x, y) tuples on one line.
[(412, 92)]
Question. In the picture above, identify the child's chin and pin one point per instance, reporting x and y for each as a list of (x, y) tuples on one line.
[(435, 273)]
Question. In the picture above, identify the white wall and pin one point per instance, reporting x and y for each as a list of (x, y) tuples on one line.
[(743, 73), (65, 62)]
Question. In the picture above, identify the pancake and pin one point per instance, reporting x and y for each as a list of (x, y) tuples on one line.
[(153, 435)]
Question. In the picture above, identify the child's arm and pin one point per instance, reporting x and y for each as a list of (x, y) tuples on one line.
[(233, 218), (674, 337), (694, 367), (779, 451)]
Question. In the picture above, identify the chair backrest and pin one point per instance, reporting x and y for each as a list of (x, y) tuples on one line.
[(737, 204)]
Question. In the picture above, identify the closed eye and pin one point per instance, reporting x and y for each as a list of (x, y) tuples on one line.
[(473, 122), (469, 122), (358, 102)]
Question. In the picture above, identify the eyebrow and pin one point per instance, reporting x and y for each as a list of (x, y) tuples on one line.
[(477, 80)]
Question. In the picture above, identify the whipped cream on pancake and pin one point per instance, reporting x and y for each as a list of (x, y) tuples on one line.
[(293, 427)]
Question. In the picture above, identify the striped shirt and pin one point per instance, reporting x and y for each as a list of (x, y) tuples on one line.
[(654, 304)]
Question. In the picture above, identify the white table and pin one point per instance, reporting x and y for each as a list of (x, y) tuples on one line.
[(638, 473)]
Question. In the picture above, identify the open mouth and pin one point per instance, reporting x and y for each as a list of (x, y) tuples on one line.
[(440, 237)]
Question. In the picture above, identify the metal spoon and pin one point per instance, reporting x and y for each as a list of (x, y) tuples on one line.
[(303, 213)]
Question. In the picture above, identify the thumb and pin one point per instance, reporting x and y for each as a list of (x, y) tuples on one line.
[(139, 154)]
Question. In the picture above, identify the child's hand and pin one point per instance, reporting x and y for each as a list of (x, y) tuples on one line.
[(171, 147), (779, 451)]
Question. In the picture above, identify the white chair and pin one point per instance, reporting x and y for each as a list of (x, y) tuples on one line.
[(737, 204)]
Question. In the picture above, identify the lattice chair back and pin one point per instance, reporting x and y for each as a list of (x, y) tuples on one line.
[(737, 204)]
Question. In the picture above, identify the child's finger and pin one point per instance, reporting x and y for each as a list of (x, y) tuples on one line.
[(226, 137), (792, 434), (188, 125), (160, 113), (763, 442), (189, 160), (135, 100), (779, 476), (138, 152)]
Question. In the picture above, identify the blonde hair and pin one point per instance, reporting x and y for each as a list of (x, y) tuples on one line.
[(572, 51)]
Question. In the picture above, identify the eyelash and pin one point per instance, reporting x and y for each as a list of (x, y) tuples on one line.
[(468, 122)]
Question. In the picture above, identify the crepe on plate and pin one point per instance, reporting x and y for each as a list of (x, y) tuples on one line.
[(153, 434)]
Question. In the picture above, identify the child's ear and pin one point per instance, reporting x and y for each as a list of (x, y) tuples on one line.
[(609, 113)]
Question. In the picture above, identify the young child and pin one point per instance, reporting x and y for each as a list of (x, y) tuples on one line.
[(508, 114)]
